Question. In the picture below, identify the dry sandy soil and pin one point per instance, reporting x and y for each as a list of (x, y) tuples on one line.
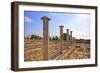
[(33, 51), (77, 52)]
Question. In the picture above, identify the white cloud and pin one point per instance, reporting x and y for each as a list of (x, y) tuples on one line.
[(28, 20)]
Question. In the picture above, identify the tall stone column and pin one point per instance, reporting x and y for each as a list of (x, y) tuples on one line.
[(71, 38), (74, 41), (45, 36), (61, 39), (67, 39)]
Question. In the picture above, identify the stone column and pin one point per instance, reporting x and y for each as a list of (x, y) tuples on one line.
[(71, 38), (45, 37), (74, 41), (67, 39), (61, 39)]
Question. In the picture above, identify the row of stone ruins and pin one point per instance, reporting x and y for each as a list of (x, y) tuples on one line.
[(46, 37)]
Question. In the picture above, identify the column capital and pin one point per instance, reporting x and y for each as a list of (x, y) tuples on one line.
[(70, 32), (61, 26), (45, 18), (67, 30)]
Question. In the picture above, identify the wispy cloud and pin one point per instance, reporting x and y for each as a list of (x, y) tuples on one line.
[(28, 20)]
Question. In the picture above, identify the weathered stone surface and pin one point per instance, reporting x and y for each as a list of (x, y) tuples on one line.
[(45, 36), (67, 39), (61, 38)]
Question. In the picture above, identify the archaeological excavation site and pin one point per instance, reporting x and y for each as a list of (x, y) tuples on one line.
[(64, 46)]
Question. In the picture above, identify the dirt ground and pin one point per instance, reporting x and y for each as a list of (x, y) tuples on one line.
[(33, 51), (77, 52)]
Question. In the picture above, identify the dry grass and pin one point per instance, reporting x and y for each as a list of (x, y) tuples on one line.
[(77, 53), (33, 51)]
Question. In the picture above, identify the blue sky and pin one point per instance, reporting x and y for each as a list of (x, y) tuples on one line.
[(78, 23)]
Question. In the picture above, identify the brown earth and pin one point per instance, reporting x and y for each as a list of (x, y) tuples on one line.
[(33, 51)]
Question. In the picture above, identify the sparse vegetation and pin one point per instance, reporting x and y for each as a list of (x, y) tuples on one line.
[(33, 49)]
